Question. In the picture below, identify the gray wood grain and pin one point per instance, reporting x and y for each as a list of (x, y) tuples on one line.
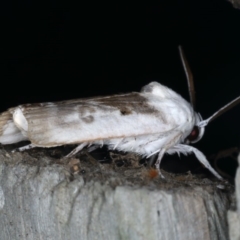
[(37, 201), (234, 214)]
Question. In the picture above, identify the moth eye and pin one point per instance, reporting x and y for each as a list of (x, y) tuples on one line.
[(193, 136)]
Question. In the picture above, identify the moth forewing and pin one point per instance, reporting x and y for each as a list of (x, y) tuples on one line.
[(147, 122), (9, 132), (156, 111)]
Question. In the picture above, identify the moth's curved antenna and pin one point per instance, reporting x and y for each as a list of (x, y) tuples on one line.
[(189, 76), (222, 110)]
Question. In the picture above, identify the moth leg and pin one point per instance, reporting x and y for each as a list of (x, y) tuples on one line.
[(172, 141), (200, 156), (186, 149), (151, 160), (76, 150), (158, 162), (92, 148), (21, 149)]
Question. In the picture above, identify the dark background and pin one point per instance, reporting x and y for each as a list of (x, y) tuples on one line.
[(56, 51)]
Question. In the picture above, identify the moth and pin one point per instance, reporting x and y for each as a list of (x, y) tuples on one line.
[(155, 120)]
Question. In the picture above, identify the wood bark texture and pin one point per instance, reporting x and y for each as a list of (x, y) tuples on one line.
[(40, 199)]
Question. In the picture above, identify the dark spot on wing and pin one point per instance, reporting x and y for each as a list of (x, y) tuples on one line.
[(88, 119), (84, 109), (37, 105), (125, 111), (127, 103), (32, 105)]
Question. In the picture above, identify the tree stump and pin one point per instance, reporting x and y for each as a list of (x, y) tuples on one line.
[(42, 197)]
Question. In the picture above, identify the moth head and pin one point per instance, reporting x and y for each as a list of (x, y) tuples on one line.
[(197, 131), (200, 124)]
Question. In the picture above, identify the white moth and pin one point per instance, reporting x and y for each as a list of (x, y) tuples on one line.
[(156, 120)]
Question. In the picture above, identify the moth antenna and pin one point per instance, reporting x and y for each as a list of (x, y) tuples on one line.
[(189, 76), (222, 110)]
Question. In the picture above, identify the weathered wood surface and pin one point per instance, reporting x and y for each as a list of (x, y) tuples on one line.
[(234, 214), (39, 200)]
